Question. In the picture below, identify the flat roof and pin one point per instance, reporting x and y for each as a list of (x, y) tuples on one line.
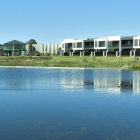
[(127, 37)]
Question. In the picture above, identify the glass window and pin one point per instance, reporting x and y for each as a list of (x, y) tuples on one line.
[(135, 42), (101, 43), (95, 43), (89, 44), (18, 46), (10, 47), (129, 42), (1, 47), (79, 45), (69, 44), (63, 46), (139, 42), (115, 43), (109, 44)]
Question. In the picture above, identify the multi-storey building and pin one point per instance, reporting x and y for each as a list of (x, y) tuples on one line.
[(126, 45)]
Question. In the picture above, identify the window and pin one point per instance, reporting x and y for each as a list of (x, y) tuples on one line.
[(139, 42), (101, 43), (109, 44), (1, 47), (18, 46), (79, 44), (127, 43), (135, 42), (62, 46), (115, 44), (10, 47), (69, 45), (95, 43), (89, 44)]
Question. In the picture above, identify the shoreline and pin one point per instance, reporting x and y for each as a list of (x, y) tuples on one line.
[(37, 67)]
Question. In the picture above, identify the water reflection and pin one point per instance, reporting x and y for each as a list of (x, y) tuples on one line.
[(100, 80), (105, 80), (50, 104)]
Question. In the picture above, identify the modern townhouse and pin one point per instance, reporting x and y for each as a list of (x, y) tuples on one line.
[(119, 45), (136, 45), (112, 45), (77, 45)]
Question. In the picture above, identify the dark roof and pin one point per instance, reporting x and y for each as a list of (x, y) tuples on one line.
[(126, 37), (15, 42), (90, 39)]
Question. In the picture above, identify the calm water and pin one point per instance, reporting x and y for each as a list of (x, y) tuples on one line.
[(47, 104)]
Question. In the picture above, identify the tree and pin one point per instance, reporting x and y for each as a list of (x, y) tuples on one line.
[(50, 50), (32, 41), (31, 48)]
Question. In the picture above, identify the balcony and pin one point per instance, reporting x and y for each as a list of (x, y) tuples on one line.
[(127, 43), (89, 45)]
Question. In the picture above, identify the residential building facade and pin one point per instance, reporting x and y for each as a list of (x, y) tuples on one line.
[(13, 48), (126, 45)]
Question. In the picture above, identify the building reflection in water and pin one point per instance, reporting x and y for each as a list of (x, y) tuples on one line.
[(99, 80), (102, 80), (136, 82)]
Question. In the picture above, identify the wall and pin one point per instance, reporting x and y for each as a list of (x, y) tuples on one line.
[(45, 48)]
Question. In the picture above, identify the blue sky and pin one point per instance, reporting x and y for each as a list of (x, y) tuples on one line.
[(50, 21)]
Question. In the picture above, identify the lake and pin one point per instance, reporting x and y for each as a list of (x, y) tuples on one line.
[(69, 104)]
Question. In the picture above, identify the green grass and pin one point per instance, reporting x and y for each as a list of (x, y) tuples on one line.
[(75, 61)]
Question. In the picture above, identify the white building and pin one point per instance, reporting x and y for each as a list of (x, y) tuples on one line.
[(45, 48), (116, 44), (136, 42)]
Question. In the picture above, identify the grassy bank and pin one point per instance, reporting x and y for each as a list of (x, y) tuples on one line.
[(75, 61)]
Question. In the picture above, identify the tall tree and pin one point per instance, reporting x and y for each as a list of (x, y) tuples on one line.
[(31, 48), (32, 41)]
